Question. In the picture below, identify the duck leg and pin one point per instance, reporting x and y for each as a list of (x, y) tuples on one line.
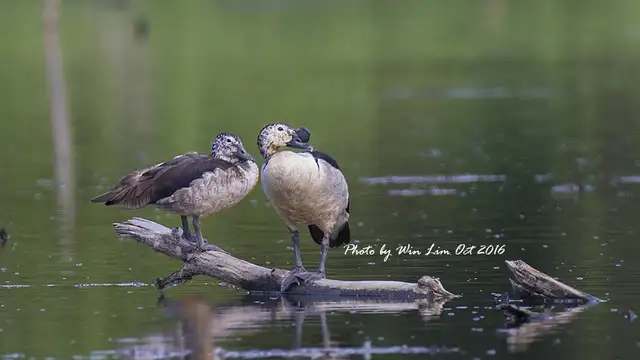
[(294, 275), (202, 244), (186, 231), (323, 256), (295, 239)]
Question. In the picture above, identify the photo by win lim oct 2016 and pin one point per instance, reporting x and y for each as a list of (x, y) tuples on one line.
[(433, 250)]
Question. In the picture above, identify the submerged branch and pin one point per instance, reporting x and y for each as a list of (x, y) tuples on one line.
[(255, 278)]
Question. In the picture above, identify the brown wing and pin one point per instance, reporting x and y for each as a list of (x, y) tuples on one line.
[(146, 186), (180, 176)]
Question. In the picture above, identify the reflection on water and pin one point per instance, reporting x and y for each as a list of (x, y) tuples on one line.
[(195, 329), (4, 239), (472, 93), (434, 179), (520, 336), (198, 324), (473, 178), (63, 159)]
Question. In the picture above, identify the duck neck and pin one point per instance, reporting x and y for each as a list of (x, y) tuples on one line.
[(268, 151), (229, 159), (245, 165)]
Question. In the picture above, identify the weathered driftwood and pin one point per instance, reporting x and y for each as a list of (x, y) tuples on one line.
[(226, 268), (530, 283)]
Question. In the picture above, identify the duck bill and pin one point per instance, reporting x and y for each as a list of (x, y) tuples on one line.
[(299, 144), (244, 156)]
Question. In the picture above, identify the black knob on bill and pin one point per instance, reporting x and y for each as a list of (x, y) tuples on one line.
[(303, 133)]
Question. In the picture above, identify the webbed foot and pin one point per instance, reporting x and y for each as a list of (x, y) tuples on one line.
[(206, 246), (294, 276), (190, 238), (210, 247), (300, 276), (320, 275), (310, 277)]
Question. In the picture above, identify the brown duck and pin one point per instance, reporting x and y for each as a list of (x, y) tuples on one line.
[(190, 184)]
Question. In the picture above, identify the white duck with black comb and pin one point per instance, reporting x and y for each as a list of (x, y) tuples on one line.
[(305, 188), (190, 184)]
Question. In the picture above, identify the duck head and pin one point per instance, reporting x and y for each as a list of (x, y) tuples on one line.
[(277, 135), (229, 148)]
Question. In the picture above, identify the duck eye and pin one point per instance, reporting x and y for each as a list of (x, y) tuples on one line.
[(280, 128), (229, 140)]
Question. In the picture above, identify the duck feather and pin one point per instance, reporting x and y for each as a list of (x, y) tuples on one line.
[(151, 185)]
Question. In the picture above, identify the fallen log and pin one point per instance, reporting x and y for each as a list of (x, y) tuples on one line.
[(530, 283), (255, 278)]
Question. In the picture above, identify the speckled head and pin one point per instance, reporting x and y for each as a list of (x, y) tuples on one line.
[(229, 147), (276, 135)]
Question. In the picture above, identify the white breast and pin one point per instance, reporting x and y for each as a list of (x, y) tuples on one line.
[(303, 190), (217, 190)]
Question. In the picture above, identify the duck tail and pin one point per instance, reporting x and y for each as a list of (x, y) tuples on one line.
[(132, 197), (316, 234), (122, 192), (343, 237), (104, 198), (113, 197)]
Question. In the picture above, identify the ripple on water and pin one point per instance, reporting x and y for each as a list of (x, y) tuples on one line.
[(434, 179), (83, 285)]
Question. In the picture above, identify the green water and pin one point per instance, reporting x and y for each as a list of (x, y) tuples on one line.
[(511, 101)]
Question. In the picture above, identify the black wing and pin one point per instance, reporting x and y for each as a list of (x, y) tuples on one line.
[(180, 175), (320, 155)]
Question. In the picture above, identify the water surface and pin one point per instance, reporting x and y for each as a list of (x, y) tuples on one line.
[(484, 123)]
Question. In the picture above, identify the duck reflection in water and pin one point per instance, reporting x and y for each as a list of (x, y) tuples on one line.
[(4, 239), (199, 323), (195, 327)]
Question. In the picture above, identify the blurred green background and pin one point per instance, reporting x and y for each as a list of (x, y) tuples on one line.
[(543, 93)]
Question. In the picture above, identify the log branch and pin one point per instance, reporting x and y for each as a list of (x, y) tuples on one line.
[(254, 278), (528, 282)]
